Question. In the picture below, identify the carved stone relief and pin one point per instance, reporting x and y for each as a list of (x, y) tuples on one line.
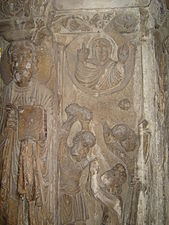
[(97, 63), (104, 184), (95, 71), (166, 44), (119, 20), (26, 142), (79, 4), (124, 104), (19, 8), (125, 23), (14, 8), (167, 4), (77, 141), (5, 68), (72, 161)]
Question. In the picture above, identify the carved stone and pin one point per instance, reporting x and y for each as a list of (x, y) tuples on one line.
[(124, 104), (27, 146), (65, 4), (84, 111), (166, 44)]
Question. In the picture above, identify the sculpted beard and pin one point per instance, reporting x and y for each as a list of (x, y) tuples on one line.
[(22, 73)]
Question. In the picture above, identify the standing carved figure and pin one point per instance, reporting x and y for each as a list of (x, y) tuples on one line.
[(73, 160), (27, 141)]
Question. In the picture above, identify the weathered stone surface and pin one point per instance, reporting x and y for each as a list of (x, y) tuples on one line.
[(27, 135), (167, 4), (84, 112), (86, 4)]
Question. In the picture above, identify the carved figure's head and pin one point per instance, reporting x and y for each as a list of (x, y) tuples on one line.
[(114, 178), (125, 136), (81, 113), (120, 132), (102, 50), (82, 142), (21, 58)]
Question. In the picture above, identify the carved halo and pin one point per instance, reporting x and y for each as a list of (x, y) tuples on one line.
[(71, 62)]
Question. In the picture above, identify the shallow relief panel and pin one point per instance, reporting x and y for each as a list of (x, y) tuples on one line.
[(94, 75), (99, 116)]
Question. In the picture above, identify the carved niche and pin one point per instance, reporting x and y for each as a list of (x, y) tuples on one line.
[(99, 139)]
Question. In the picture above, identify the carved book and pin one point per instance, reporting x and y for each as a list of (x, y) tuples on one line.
[(32, 123)]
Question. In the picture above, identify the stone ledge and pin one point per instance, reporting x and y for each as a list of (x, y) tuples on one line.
[(88, 4)]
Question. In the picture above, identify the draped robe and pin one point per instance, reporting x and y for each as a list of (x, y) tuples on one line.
[(26, 166), (98, 76)]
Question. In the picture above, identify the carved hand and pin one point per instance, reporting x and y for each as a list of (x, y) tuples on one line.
[(123, 53), (83, 53), (94, 166)]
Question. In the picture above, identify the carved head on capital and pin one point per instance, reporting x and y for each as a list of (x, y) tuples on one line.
[(22, 61)]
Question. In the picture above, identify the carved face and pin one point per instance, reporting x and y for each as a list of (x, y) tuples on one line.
[(82, 142), (79, 152), (102, 50), (22, 66), (101, 53), (120, 132)]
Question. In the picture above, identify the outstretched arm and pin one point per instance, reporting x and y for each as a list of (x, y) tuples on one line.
[(66, 127)]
